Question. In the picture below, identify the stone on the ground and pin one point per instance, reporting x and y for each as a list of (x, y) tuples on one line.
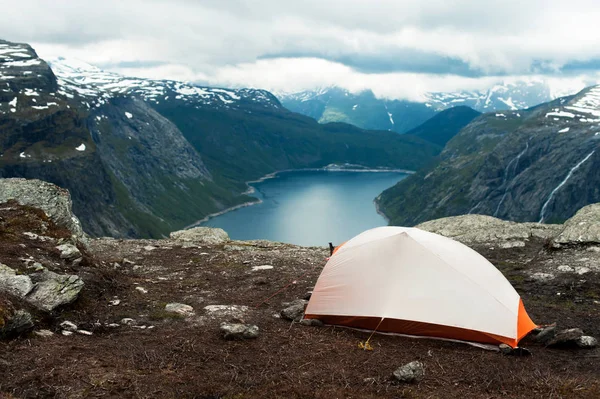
[(510, 351), (294, 310), (69, 252), (470, 229), (53, 200), (14, 284), (545, 334), (128, 321), (84, 332), (261, 267), (53, 290), (68, 325), (44, 333), (142, 290), (411, 372), (582, 228), (223, 311), (586, 342), (233, 331), (565, 337), (203, 235), (312, 322), (20, 321), (542, 277), (66, 333), (179, 308)]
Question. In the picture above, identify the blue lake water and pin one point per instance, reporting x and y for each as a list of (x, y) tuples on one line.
[(310, 207)]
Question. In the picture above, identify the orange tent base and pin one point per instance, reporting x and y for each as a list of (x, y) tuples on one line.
[(524, 326)]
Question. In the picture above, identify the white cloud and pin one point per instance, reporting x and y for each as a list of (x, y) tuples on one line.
[(291, 75), (224, 41)]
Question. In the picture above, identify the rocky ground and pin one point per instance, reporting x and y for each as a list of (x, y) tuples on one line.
[(146, 321)]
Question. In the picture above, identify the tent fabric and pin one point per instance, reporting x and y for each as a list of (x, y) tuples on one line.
[(420, 283)]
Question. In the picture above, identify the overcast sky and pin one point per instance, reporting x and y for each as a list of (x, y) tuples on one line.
[(398, 48)]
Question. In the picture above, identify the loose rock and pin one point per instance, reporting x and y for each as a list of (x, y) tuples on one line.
[(69, 252), (295, 310), (44, 333), (10, 282), (204, 235), (566, 337), (411, 372), (179, 308), (586, 342), (546, 334), (68, 326), (142, 290), (233, 331), (222, 311), (53, 290), (312, 322)]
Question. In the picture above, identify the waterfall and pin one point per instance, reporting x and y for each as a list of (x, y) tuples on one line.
[(507, 173), (475, 207), (562, 183)]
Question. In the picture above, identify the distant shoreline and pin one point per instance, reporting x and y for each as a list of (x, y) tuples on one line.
[(379, 211), (332, 168)]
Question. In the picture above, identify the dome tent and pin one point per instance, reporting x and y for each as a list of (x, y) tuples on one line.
[(409, 281)]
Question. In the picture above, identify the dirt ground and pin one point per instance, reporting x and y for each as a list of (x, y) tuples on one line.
[(167, 356)]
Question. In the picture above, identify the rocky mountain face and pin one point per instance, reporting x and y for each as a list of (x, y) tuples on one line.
[(444, 125), (364, 110), (144, 157), (537, 165)]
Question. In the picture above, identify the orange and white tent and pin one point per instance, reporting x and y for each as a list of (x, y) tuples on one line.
[(409, 281)]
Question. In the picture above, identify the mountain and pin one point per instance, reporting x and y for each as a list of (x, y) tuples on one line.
[(445, 125), (505, 96), (365, 110), (362, 109), (537, 165), (145, 157)]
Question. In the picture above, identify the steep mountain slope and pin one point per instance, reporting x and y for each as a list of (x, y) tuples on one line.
[(131, 177), (244, 134), (133, 151), (364, 110), (538, 164), (445, 125)]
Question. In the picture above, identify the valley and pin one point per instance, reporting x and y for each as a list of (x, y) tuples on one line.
[(144, 157)]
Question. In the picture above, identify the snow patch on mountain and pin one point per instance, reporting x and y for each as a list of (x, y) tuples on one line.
[(77, 78)]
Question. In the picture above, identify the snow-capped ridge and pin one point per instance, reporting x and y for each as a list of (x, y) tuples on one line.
[(78, 78)]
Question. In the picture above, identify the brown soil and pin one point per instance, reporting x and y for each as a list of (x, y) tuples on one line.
[(186, 358)]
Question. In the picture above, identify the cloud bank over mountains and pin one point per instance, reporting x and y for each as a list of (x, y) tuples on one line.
[(399, 49)]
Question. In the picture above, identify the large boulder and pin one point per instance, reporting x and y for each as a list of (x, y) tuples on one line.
[(53, 200), (473, 229), (583, 228), (53, 290), (566, 337), (201, 235), (13, 321), (45, 290), (12, 283)]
